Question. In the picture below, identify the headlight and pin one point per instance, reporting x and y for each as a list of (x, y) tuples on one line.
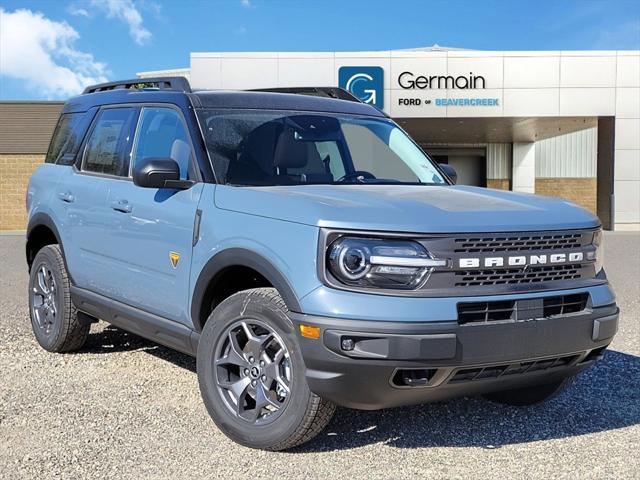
[(598, 239), (380, 263)]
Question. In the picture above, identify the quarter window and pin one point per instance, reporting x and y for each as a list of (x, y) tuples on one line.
[(163, 134), (108, 147), (66, 138)]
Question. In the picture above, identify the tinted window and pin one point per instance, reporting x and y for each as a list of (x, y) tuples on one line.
[(259, 147), (162, 134), (109, 145), (66, 139)]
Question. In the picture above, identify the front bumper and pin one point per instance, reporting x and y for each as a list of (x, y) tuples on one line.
[(388, 364)]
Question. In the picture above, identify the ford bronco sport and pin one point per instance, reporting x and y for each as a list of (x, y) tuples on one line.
[(308, 253)]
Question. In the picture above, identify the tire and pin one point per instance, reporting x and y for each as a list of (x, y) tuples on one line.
[(54, 318), (289, 414), (522, 397)]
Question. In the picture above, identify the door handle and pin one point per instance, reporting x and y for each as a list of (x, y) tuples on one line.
[(121, 206), (66, 197)]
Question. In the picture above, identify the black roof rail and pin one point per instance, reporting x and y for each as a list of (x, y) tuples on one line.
[(176, 84), (331, 92)]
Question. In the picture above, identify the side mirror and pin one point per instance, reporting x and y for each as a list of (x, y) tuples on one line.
[(159, 173), (450, 171)]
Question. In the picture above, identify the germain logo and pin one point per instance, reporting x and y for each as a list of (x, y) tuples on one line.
[(366, 83)]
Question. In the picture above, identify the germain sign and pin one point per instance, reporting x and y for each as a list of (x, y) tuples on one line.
[(366, 83), (408, 80)]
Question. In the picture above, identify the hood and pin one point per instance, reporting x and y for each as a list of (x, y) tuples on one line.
[(406, 208)]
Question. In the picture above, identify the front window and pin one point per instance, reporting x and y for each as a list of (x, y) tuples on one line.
[(258, 147)]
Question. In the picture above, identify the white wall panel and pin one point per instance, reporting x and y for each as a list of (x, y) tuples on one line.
[(246, 73), (524, 171), (628, 103), (627, 202), (531, 72), (628, 134), (588, 72), (498, 160), (523, 102), (573, 155), (628, 74), (627, 165), (587, 101), (306, 72)]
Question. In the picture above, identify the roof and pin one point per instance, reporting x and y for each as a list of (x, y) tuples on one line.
[(221, 99), (281, 101)]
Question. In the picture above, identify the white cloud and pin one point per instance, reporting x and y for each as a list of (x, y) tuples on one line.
[(127, 12), (78, 11), (41, 52), (245, 3)]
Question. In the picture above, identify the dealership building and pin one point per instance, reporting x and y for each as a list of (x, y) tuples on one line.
[(560, 123)]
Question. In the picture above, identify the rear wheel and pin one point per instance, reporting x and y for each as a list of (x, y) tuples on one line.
[(55, 321), (521, 397), (251, 374)]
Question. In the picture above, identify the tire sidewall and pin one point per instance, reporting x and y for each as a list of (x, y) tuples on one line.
[(47, 257), (248, 305)]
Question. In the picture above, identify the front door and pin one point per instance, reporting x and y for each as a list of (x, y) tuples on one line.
[(151, 230)]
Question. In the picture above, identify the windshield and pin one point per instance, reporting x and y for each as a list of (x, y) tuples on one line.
[(261, 147)]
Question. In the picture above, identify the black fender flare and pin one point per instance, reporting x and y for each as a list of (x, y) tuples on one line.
[(244, 258), (43, 219)]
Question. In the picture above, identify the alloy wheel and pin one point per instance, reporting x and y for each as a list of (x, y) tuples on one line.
[(253, 371), (43, 299)]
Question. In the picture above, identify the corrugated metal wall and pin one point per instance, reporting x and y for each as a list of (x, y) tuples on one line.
[(499, 160), (573, 155), (26, 127)]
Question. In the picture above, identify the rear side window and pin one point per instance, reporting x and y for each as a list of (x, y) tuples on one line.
[(66, 139), (109, 145)]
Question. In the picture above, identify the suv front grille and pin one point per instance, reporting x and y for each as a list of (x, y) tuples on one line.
[(520, 310), (508, 243), (510, 276)]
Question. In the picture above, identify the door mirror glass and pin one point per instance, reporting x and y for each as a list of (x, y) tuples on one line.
[(158, 173), (450, 171)]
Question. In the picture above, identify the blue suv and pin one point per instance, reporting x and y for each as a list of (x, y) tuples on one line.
[(308, 253)]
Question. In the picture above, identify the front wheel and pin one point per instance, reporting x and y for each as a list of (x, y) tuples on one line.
[(251, 374), (521, 397)]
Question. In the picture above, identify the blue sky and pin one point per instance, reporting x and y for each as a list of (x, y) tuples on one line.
[(50, 49)]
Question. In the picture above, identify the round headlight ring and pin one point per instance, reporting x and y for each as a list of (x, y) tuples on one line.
[(353, 262)]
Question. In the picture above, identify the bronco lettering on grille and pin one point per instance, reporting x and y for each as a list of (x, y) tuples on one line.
[(521, 260)]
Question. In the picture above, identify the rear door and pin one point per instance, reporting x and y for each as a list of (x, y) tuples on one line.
[(82, 197), (150, 237)]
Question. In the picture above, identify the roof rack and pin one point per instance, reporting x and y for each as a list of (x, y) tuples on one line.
[(331, 92), (176, 84)]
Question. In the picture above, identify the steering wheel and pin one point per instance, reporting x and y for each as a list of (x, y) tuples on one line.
[(358, 175)]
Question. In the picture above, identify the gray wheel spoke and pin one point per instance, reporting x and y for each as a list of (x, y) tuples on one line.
[(42, 281), (262, 398), (235, 355), (255, 343), (40, 311), (237, 388), (272, 368)]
